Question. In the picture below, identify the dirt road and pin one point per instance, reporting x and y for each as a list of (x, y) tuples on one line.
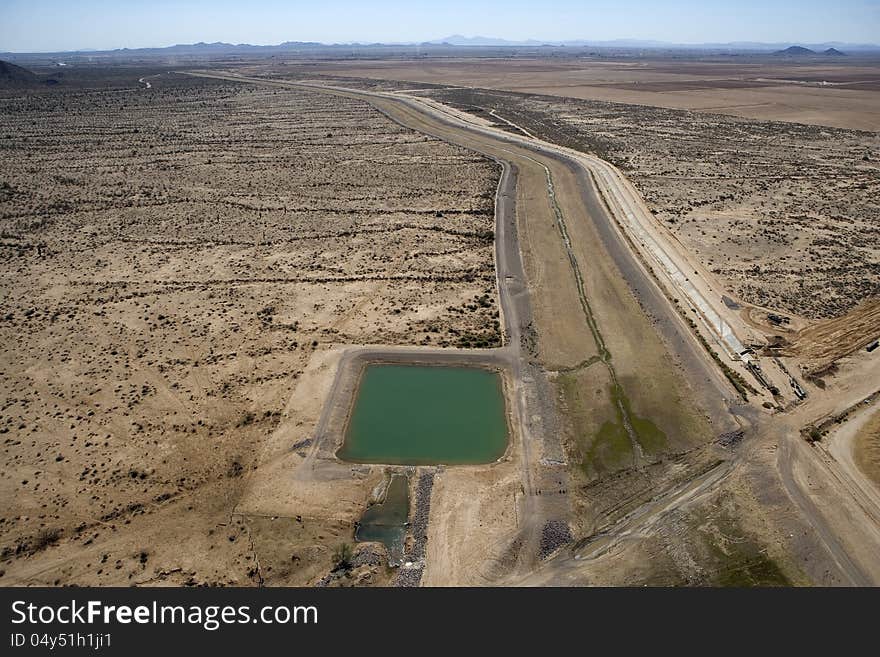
[(839, 446), (795, 470)]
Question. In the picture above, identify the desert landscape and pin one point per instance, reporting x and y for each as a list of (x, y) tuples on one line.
[(673, 265), (165, 289), (758, 201), (817, 90)]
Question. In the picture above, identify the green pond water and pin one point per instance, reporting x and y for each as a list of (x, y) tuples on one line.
[(421, 415), (386, 522)]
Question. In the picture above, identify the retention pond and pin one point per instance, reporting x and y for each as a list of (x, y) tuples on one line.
[(426, 415)]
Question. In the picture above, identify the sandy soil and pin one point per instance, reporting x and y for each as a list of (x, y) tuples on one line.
[(866, 449), (473, 526), (856, 446)]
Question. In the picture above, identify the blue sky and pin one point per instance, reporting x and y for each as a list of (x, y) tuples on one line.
[(44, 25)]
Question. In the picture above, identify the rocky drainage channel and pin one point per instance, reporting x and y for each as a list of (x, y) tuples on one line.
[(410, 573)]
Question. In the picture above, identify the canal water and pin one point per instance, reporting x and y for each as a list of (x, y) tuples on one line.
[(425, 415), (386, 522)]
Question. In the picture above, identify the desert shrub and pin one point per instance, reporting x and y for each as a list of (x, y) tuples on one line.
[(342, 557)]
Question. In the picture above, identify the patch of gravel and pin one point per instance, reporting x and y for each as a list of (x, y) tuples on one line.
[(368, 555), (411, 575), (554, 535), (730, 438), (302, 445)]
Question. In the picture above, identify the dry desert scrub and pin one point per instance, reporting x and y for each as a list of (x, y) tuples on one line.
[(171, 259)]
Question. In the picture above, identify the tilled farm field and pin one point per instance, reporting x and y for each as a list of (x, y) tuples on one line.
[(173, 258)]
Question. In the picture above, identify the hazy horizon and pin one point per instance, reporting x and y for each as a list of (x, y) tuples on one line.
[(55, 25)]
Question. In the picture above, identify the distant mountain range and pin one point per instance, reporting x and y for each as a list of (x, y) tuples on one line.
[(456, 40), (480, 41), (800, 51)]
